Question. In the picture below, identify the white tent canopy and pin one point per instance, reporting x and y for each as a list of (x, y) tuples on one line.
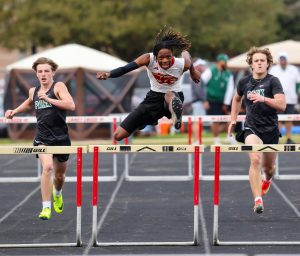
[(72, 56), (291, 47)]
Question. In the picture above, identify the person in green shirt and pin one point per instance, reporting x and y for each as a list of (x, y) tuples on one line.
[(219, 91)]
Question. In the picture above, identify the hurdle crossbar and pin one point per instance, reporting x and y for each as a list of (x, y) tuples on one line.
[(113, 119), (256, 148), (96, 149), (241, 118), (53, 150), (243, 148), (27, 150)]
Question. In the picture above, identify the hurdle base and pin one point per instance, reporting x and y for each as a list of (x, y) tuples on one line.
[(107, 244), (287, 177), (90, 178), (40, 245), (224, 177), (256, 242), (158, 178)]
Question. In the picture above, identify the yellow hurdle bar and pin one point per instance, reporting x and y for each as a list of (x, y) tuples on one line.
[(146, 148), (257, 148), (41, 149)]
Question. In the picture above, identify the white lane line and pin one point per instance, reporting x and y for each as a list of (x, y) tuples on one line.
[(19, 204), (294, 208), (204, 229), (107, 208)]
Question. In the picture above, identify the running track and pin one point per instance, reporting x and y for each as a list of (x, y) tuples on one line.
[(151, 211)]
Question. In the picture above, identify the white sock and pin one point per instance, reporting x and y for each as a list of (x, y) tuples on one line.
[(231, 140), (217, 140), (57, 192), (47, 204), (257, 198)]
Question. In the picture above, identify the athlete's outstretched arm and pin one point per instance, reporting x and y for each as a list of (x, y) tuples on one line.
[(24, 107), (142, 60), (188, 65)]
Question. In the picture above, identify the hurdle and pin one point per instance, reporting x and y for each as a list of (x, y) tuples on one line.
[(145, 149), (243, 148), (69, 119), (188, 176), (241, 118), (79, 150)]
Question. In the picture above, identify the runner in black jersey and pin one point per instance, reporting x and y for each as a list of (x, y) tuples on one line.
[(263, 96), (51, 100)]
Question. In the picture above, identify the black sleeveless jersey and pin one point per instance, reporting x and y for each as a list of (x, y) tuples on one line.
[(260, 117), (51, 120)]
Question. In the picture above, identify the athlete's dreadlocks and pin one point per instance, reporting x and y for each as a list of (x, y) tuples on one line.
[(167, 38)]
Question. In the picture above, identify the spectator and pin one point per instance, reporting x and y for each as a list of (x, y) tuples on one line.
[(220, 85), (198, 98), (289, 77)]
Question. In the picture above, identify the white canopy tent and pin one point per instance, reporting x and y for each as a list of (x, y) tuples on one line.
[(73, 56), (77, 69), (291, 47)]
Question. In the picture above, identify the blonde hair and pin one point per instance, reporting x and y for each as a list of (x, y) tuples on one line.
[(265, 51), (43, 60)]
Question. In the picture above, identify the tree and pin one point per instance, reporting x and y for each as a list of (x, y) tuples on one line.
[(289, 20), (127, 28)]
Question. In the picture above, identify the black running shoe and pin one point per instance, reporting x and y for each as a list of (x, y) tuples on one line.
[(176, 112), (290, 141)]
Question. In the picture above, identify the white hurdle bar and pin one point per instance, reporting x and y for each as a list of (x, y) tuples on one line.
[(244, 148), (79, 150), (96, 149), (69, 119)]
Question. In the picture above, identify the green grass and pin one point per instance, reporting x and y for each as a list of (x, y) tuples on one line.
[(7, 142)]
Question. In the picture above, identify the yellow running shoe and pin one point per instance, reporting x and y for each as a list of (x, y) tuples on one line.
[(45, 214), (58, 203)]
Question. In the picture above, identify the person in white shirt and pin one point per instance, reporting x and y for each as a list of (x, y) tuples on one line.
[(289, 77)]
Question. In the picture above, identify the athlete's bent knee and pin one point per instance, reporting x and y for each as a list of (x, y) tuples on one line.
[(256, 160), (48, 169), (269, 169), (60, 177), (118, 136)]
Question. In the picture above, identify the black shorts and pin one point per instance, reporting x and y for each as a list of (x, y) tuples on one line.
[(60, 157), (267, 138), (290, 109), (148, 112), (215, 108)]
